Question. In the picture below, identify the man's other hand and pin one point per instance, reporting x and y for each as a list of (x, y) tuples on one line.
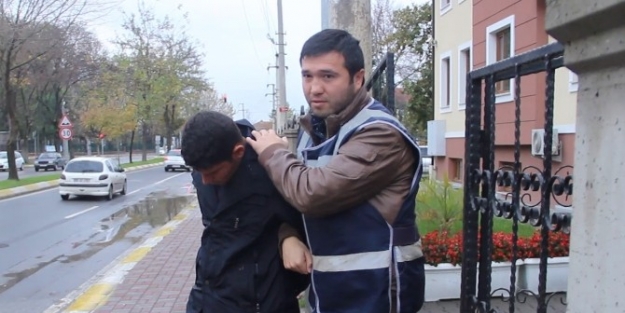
[(296, 256), (265, 138)]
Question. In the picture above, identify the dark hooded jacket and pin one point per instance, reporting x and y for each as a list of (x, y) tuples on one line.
[(238, 266)]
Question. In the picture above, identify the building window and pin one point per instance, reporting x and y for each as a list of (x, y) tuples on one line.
[(572, 82), (456, 169), (445, 83), (500, 46), (445, 6), (465, 64)]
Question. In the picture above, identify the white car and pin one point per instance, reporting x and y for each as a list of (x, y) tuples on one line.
[(92, 176), (174, 161), (4, 161)]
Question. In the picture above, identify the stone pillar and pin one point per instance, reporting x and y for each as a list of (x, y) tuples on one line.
[(353, 16), (593, 32)]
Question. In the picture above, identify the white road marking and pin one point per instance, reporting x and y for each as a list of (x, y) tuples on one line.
[(82, 212), (166, 179), (128, 194)]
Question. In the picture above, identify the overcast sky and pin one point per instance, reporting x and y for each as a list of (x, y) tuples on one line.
[(233, 38)]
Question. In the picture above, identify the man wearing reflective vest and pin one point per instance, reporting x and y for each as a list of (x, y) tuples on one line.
[(354, 179)]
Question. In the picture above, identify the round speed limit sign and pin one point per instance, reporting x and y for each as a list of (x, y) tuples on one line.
[(65, 133)]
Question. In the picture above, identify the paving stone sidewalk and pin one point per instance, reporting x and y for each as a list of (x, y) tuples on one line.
[(160, 282)]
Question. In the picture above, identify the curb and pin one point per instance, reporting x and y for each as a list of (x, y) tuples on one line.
[(96, 292), (26, 189)]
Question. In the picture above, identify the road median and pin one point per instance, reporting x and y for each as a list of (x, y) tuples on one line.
[(11, 188)]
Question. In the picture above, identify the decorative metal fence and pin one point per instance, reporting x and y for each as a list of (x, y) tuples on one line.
[(382, 81), (483, 203)]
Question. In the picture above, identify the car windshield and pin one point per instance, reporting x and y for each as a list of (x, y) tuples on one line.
[(3, 155), (173, 153), (47, 156), (85, 166)]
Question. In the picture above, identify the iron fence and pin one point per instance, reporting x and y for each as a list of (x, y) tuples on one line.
[(382, 81), (483, 203)]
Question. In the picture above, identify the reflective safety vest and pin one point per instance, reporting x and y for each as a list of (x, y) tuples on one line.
[(356, 253)]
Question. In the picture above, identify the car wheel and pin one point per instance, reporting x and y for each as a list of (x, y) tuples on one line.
[(54, 168), (109, 197), (123, 192), (21, 167), (166, 170), (36, 169), (65, 197)]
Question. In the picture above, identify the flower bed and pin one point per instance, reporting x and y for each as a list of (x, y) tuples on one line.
[(443, 253)]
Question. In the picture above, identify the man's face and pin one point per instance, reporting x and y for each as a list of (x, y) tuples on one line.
[(327, 84), (221, 173)]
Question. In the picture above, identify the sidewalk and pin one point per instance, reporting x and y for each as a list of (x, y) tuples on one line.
[(161, 281), (156, 277)]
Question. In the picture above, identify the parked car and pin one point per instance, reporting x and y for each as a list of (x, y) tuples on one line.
[(174, 161), (92, 176), (50, 160), (4, 161)]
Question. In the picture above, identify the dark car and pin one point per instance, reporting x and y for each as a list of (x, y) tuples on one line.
[(50, 160)]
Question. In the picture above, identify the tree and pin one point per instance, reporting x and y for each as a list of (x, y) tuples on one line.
[(110, 110), (407, 32), (22, 22), (179, 79), (166, 71), (209, 99)]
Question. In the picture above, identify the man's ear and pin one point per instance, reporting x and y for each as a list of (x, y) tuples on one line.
[(238, 151), (359, 78)]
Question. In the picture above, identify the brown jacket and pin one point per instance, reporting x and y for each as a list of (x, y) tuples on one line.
[(376, 164)]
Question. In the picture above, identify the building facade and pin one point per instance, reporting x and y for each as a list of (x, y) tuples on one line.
[(470, 34)]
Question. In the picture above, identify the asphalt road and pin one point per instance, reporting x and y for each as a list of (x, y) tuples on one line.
[(29, 171), (50, 247)]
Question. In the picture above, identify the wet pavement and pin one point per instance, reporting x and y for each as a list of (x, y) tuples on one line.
[(50, 247)]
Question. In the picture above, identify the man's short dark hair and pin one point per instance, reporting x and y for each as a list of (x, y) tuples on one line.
[(208, 138), (337, 40)]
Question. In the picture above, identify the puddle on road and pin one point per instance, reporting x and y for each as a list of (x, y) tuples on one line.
[(130, 224)]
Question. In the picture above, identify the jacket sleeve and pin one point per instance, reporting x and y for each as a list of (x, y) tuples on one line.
[(366, 164)]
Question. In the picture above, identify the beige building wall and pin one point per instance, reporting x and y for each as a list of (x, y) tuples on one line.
[(453, 33), (565, 98)]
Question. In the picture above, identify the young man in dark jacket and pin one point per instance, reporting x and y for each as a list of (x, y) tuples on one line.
[(238, 266)]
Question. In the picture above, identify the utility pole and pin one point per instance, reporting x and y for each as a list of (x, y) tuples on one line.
[(243, 110), (353, 16), (276, 88), (282, 104), (273, 102)]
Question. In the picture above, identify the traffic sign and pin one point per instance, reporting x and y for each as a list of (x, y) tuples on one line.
[(65, 122), (65, 133)]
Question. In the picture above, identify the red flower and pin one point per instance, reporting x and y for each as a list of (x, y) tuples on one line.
[(442, 247)]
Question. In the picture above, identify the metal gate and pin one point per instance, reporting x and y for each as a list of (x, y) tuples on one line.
[(382, 81), (482, 202)]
